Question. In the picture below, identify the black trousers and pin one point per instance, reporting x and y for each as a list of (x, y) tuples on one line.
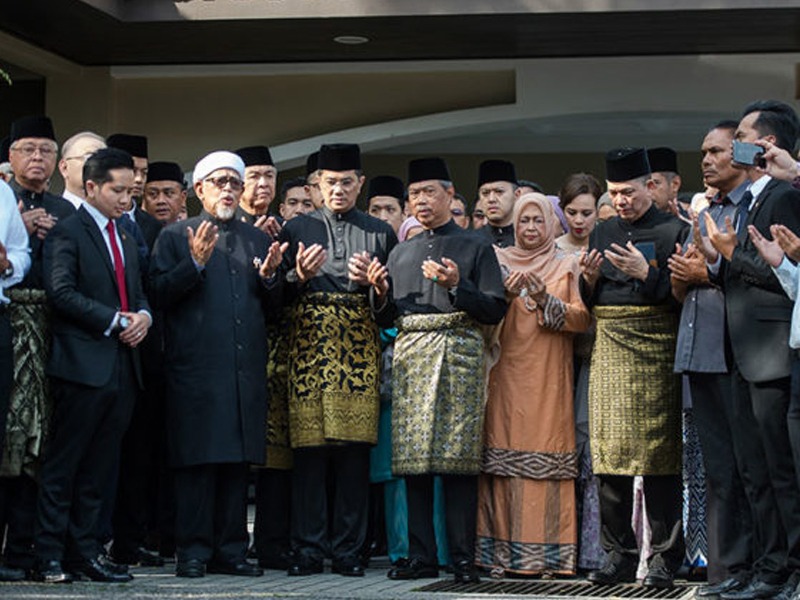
[(211, 519), (461, 509), (6, 369), (729, 518), (664, 502), (18, 519), (778, 530), (271, 532), (88, 425), (347, 469)]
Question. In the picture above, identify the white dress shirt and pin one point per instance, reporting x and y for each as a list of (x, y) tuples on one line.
[(14, 237)]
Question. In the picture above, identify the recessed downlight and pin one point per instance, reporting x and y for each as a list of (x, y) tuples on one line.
[(351, 40)]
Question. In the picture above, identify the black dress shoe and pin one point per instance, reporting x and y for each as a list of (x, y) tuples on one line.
[(412, 569), (138, 556), (241, 568), (658, 577), (613, 572), (51, 571), (348, 568), (11, 574), (99, 570), (191, 568), (788, 590), (715, 589), (755, 590), (465, 572), (303, 567)]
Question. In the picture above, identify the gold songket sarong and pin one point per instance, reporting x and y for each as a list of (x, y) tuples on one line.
[(634, 396), (279, 452), (334, 371), (30, 407), (438, 395)]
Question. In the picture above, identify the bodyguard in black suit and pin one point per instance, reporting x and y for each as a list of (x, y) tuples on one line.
[(100, 316), (758, 322)]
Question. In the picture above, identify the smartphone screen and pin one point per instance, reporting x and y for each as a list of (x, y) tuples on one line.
[(648, 249)]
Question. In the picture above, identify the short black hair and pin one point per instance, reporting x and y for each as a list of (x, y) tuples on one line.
[(531, 184), (726, 124), (775, 118), (292, 183), (99, 165)]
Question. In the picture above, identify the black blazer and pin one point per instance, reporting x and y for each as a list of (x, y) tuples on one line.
[(82, 291), (759, 313), (150, 227)]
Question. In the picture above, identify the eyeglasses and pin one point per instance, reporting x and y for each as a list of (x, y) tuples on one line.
[(346, 184), (223, 180), (456, 212), (429, 191), (29, 150)]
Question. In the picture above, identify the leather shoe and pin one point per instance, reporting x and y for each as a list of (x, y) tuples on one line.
[(755, 590), (51, 571), (241, 568), (11, 574), (412, 569), (658, 577), (98, 570), (715, 589), (191, 568), (465, 572), (616, 570), (348, 568), (137, 556), (301, 567)]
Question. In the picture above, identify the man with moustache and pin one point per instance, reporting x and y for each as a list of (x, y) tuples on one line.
[(758, 322), (701, 355), (295, 199), (260, 176), (100, 316), (438, 288), (74, 153), (164, 192), (635, 428), (33, 152), (498, 191), (213, 277), (334, 367)]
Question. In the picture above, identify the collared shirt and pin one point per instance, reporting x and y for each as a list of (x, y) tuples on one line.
[(73, 199), (502, 237), (789, 276), (102, 223), (700, 347), (14, 237)]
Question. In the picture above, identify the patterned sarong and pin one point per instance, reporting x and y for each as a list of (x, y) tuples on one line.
[(438, 395), (279, 452), (334, 371), (30, 408), (634, 397)]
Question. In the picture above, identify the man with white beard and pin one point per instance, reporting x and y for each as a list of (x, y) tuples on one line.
[(213, 277)]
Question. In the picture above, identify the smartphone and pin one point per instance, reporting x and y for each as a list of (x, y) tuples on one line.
[(748, 154), (648, 249)]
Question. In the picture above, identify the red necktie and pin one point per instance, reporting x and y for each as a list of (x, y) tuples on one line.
[(119, 268)]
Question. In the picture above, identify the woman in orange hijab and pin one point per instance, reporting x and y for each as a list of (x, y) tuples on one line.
[(527, 522)]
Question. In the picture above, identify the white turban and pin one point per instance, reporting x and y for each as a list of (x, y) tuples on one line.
[(221, 159)]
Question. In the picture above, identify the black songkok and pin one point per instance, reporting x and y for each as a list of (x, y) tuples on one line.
[(496, 170), (255, 155), (425, 169), (624, 164), (339, 157), (662, 160), (386, 185), (135, 145), (32, 127), (165, 171), (311, 163)]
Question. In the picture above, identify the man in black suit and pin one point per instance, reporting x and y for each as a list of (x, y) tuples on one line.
[(758, 320), (100, 316)]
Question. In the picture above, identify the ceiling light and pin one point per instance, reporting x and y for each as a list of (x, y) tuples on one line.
[(351, 40)]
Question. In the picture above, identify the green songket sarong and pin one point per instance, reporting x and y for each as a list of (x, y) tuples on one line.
[(30, 405), (634, 396), (438, 395), (334, 371)]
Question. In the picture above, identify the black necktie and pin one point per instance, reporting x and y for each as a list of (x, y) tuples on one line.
[(742, 211)]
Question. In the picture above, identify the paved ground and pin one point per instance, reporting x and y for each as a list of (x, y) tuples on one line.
[(162, 584)]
